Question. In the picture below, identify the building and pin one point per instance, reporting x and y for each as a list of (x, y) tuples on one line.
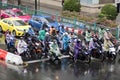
[(94, 6), (93, 2)]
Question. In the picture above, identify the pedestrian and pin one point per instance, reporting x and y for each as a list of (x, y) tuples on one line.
[(6, 32), (10, 41), (62, 2)]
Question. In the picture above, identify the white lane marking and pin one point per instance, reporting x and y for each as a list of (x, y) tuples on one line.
[(46, 59), (34, 61)]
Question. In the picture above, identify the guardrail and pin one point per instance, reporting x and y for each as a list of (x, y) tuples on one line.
[(76, 23)]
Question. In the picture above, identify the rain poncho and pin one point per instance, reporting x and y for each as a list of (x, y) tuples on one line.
[(101, 33), (92, 45), (107, 35), (21, 46), (62, 30), (107, 42), (88, 36), (77, 47), (65, 41), (41, 35), (10, 40)]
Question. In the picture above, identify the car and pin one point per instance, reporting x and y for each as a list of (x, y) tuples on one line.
[(14, 12), (38, 20), (16, 25)]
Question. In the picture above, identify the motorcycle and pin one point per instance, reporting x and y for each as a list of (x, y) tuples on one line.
[(111, 54), (54, 52), (71, 46), (84, 55), (97, 52), (38, 49)]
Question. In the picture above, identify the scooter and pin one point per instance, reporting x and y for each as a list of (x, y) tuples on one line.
[(38, 49), (84, 55), (111, 54), (97, 53), (54, 52)]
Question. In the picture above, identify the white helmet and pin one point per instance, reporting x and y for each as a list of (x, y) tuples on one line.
[(47, 33), (107, 29), (65, 33)]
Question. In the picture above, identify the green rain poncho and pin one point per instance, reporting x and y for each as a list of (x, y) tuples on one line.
[(41, 35), (101, 33), (88, 36)]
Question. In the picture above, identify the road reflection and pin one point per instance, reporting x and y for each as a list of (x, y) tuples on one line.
[(67, 70)]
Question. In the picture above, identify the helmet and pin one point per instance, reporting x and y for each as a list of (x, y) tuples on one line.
[(65, 33), (78, 40), (47, 33), (107, 29)]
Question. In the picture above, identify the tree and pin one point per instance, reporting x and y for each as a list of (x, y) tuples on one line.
[(72, 5), (109, 11)]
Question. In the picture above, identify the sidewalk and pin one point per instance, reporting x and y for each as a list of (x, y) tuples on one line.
[(51, 4)]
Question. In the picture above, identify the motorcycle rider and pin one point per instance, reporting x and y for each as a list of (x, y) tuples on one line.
[(92, 44), (88, 35), (53, 33), (77, 48), (46, 43), (10, 40), (107, 42), (21, 47), (101, 34), (41, 36), (65, 42), (62, 30)]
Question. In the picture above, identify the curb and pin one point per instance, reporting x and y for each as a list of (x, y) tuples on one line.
[(10, 57)]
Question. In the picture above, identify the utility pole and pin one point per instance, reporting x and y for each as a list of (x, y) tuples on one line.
[(35, 6), (19, 2)]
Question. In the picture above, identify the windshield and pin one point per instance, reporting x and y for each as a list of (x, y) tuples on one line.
[(18, 23), (50, 20), (20, 13)]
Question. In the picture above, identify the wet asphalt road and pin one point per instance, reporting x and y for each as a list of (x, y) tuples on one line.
[(65, 71)]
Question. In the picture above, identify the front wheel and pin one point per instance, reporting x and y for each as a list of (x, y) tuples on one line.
[(102, 57), (88, 59), (113, 57)]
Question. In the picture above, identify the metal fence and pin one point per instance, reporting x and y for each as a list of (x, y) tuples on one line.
[(76, 23)]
